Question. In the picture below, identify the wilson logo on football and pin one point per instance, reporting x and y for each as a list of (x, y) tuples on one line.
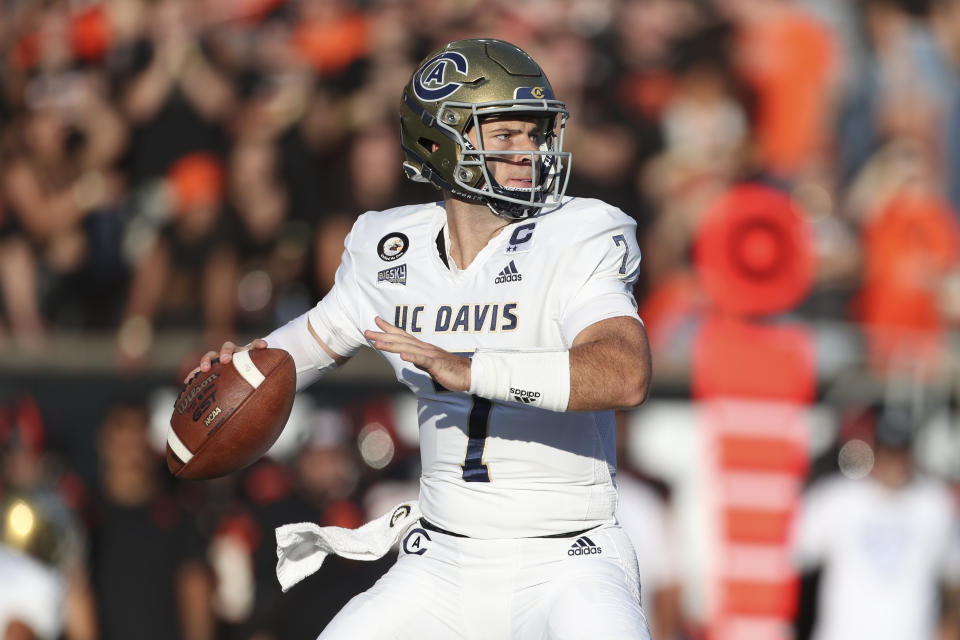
[(184, 402)]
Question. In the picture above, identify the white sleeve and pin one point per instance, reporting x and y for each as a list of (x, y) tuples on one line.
[(309, 358), (600, 273), (334, 318), (812, 527)]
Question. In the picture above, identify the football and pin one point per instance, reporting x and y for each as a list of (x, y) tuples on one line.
[(226, 418)]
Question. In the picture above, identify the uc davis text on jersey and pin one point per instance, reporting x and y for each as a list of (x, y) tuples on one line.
[(468, 318)]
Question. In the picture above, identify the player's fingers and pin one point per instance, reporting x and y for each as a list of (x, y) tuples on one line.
[(259, 343), (206, 360), (442, 367), (226, 352), (412, 347), (387, 327), (384, 343), (205, 363), (419, 360), (393, 340)]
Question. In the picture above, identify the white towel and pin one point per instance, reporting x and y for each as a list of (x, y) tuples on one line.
[(302, 547)]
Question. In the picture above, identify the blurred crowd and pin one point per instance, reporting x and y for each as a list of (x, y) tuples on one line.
[(196, 165), (129, 552)]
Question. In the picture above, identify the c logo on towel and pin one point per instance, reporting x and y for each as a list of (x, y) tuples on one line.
[(413, 543), (401, 512)]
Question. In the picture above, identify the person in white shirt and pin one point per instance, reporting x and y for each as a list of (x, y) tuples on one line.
[(507, 308), (32, 595), (888, 545)]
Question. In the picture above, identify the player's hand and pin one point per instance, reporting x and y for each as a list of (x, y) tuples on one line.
[(225, 354), (451, 371)]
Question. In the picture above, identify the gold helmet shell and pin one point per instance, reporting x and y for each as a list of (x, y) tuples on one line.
[(448, 95)]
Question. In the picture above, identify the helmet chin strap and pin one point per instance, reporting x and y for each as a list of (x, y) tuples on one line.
[(513, 210)]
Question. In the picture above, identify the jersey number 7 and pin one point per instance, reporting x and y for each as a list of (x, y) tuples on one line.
[(618, 240)]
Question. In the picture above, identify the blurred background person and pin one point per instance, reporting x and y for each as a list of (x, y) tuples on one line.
[(885, 540), (62, 191), (146, 555), (44, 593)]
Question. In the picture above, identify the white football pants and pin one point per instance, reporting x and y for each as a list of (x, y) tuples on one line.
[(448, 588)]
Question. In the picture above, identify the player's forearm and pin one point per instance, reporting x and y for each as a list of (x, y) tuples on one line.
[(311, 356), (610, 366), (612, 373)]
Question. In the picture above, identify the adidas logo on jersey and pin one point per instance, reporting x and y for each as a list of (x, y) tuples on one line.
[(524, 396), (508, 274), (584, 546)]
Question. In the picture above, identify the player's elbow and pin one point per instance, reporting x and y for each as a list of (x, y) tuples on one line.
[(637, 394), (635, 388)]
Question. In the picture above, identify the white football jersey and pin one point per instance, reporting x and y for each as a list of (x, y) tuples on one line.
[(494, 469), (884, 553)]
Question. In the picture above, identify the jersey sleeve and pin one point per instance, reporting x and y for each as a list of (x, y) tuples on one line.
[(334, 318), (599, 273), (811, 533)]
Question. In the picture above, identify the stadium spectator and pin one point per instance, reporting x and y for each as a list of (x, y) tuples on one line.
[(787, 57), (188, 264), (176, 99), (910, 244), (903, 92), (705, 145), (945, 24), (19, 287), (147, 568), (61, 191)]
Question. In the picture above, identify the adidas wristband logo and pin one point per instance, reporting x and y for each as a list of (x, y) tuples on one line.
[(524, 396)]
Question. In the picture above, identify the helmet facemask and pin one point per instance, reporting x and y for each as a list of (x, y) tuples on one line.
[(549, 164)]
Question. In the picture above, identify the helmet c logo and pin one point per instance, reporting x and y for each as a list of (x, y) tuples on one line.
[(537, 92), (435, 73)]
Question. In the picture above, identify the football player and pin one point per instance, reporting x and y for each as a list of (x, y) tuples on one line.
[(507, 308)]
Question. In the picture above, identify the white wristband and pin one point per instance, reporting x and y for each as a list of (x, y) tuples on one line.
[(310, 359), (536, 378)]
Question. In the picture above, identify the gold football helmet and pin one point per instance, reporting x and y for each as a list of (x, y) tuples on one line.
[(451, 91)]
